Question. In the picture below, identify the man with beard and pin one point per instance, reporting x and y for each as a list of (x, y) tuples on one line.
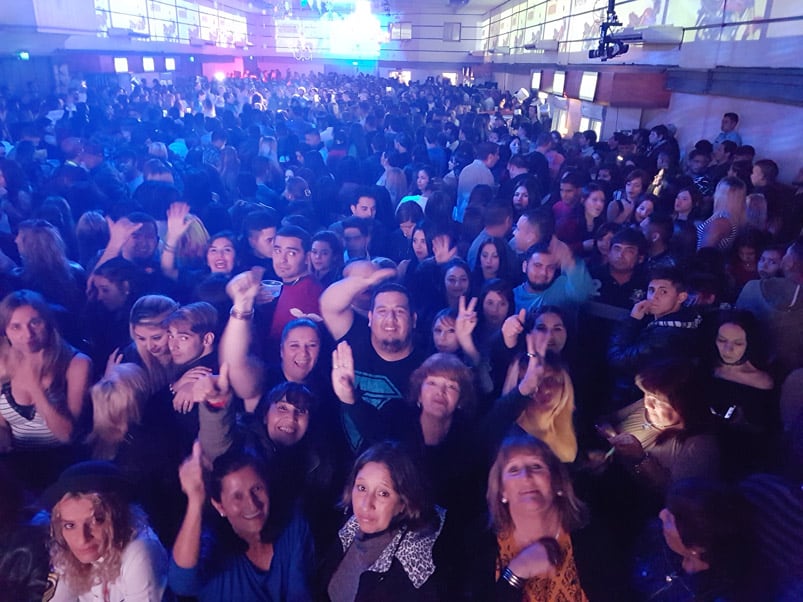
[(378, 354), (552, 277)]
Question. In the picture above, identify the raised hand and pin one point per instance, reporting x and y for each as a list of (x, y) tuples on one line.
[(535, 367), (214, 389), (115, 358), (191, 475), (120, 231), (343, 373), (244, 288), (441, 250), (466, 318), (512, 327), (177, 222)]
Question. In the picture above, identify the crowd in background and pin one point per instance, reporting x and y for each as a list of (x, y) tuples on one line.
[(333, 337)]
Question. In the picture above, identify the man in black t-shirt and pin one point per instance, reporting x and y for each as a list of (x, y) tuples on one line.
[(377, 358)]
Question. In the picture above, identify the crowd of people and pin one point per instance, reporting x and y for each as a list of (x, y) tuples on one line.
[(333, 337)]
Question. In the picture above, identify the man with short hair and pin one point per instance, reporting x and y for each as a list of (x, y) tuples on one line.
[(658, 229), (552, 277), (728, 129), (778, 305), (518, 169), (539, 160), (661, 140), (534, 225), (570, 190), (721, 160), (697, 170), (364, 205), (622, 282), (191, 338), (659, 327), (478, 172), (356, 238), (300, 289), (378, 358), (312, 137), (498, 220), (258, 231)]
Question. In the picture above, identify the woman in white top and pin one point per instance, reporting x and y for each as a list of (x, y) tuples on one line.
[(101, 546)]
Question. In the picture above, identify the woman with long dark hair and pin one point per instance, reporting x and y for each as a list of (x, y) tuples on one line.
[(44, 379)]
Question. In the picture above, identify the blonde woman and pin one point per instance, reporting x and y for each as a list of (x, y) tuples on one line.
[(548, 408), (101, 547), (730, 215), (148, 347), (186, 242), (118, 404)]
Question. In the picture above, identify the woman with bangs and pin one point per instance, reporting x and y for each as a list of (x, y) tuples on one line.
[(101, 546), (384, 551), (442, 389), (530, 552)]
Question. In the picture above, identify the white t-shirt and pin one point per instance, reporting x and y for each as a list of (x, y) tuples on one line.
[(143, 575)]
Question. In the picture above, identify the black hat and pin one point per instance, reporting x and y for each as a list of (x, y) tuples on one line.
[(94, 476)]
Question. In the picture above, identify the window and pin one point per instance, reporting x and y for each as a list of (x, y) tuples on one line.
[(451, 32), (120, 65), (401, 31), (170, 64), (147, 64), (559, 82)]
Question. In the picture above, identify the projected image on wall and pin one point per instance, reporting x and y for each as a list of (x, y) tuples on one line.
[(345, 29)]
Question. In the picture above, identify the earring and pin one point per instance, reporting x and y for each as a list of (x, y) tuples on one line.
[(504, 500), (559, 493)]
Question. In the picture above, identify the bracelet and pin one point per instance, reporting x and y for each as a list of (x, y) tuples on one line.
[(241, 315), (512, 578), (169, 248)]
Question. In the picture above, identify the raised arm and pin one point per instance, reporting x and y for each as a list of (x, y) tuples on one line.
[(336, 299), (245, 370), (187, 549), (119, 233), (177, 224)]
